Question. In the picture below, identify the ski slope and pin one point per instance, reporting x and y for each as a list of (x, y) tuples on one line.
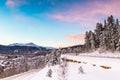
[(91, 66)]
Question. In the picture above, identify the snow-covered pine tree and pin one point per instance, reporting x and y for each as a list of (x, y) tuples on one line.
[(53, 58), (110, 20), (49, 73), (105, 37), (87, 42), (118, 46), (92, 41), (81, 70), (98, 32), (63, 70), (102, 42), (118, 36)]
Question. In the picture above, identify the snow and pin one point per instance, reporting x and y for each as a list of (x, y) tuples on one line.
[(91, 72), (22, 75), (105, 54)]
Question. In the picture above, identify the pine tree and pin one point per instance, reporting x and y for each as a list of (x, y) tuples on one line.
[(105, 24), (49, 73), (63, 70), (92, 40), (110, 20), (87, 42), (102, 41), (81, 70), (117, 22), (53, 58), (105, 37)]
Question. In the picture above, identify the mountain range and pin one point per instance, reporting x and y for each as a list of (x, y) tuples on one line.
[(29, 45)]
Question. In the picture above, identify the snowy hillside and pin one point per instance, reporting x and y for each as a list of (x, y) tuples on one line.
[(92, 68)]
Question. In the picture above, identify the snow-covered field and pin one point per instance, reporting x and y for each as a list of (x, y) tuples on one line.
[(90, 65)]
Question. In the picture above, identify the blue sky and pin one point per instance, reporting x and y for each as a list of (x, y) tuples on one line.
[(56, 23)]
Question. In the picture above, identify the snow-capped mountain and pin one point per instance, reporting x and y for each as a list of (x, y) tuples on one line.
[(29, 45), (24, 44)]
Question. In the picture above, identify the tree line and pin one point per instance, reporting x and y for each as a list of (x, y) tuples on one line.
[(106, 36)]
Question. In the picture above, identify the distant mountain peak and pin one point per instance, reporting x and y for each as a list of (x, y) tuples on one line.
[(24, 44), (32, 44)]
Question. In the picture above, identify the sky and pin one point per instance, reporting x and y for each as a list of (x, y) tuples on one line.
[(55, 23)]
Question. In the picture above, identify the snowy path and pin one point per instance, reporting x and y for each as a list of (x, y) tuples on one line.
[(102, 55), (21, 75)]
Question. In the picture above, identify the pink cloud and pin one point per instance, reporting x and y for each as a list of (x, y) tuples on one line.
[(10, 3), (14, 3), (106, 8), (89, 13), (75, 37)]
